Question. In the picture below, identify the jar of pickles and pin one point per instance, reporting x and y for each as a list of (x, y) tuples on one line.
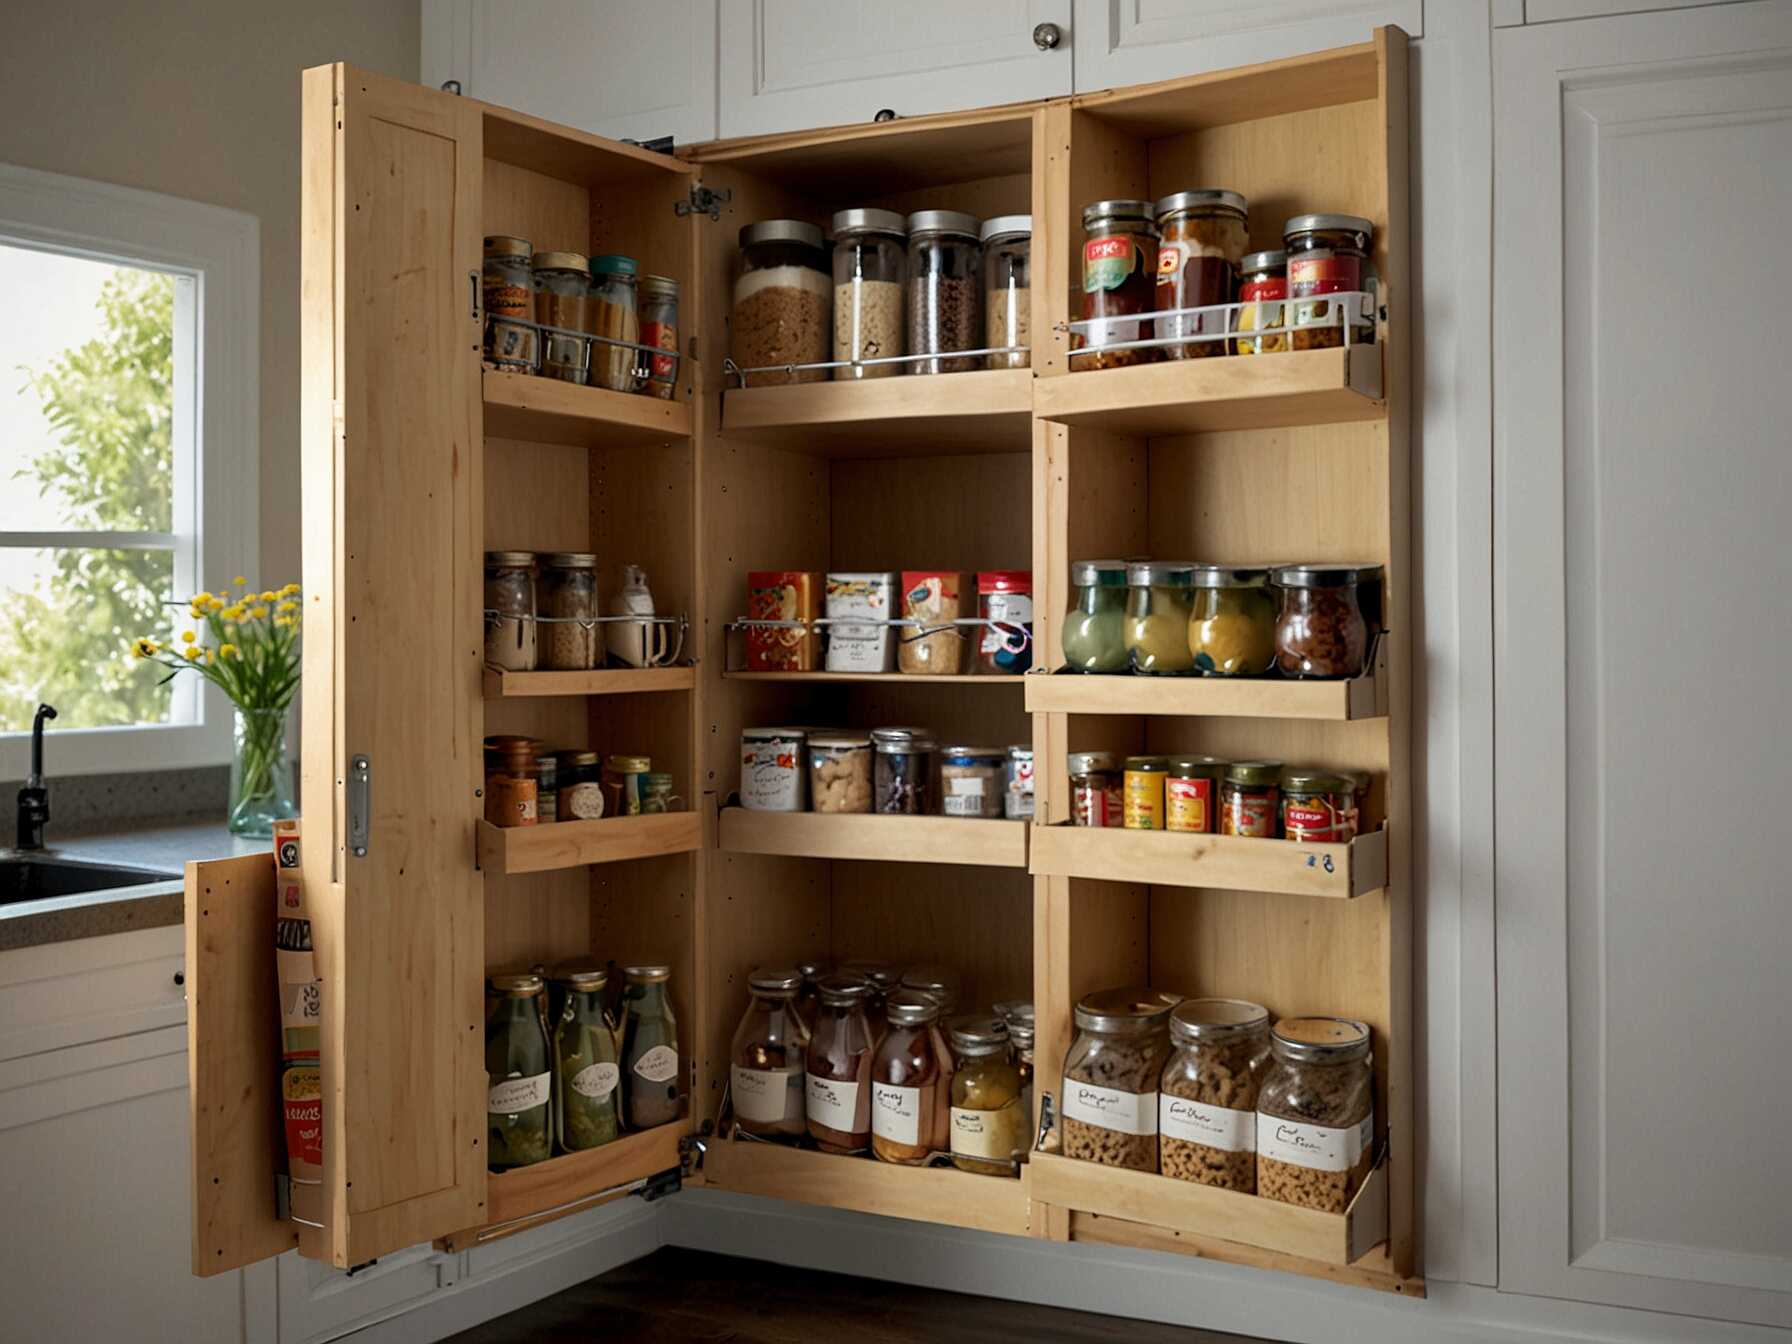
[(870, 267), (1318, 806), (1263, 284), (1007, 290), (902, 774), (1143, 792), (1159, 607), (1095, 788), (1119, 284), (1327, 254), (840, 772), (989, 1124), (765, 1076), (569, 601), (586, 1071), (1232, 621), (1249, 799), (1203, 242), (519, 1076), (1320, 627), (1094, 634)]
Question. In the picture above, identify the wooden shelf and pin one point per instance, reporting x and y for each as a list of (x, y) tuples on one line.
[(865, 1185), (834, 835), (1231, 862), (572, 844), (1364, 697), (548, 410), (574, 156), (1193, 396), (500, 685), (880, 678), (908, 415)]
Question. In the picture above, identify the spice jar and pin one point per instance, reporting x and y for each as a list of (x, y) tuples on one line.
[(581, 793), (1119, 283), (1143, 806), (547, 787), (1232, 621), (911, 1085), (586, 1073), (569, 601), (989, 1124), (1094, 633), (1007, 290), (1191, 793), (1159, 606), (657, 795), (765, 1075), (519, 1078), (783, 299), (932, 599), (1005, 596), (659, 328), (870, 265), (1316, 1113), (621, 780), (1017, 795), (771, 769), (1263, 284), (1326, 254), (1108, 1109), (972, 781), (614, 313), (649, 1047), (1207, 1102), (510, 610), (510, 784), (1318, 806), (945, 290), (1320, 627), (1095, 788), (840, 772), (507, 293), (562, 300), (1197, 267), (902, 773), (838, 1066), (1248, 799)]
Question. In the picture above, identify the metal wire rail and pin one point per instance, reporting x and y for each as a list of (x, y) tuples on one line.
[(729, 367), (1347, 311), (531, 355)]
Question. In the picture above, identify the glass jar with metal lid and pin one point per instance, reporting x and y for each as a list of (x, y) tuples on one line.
[(649, 1047), (569, 602), (972, 781), (939, 983), (1007, 290), (622, 780), (1159, 605), (989, 1125), (562, 283), (507, 293), (807, 997), (1108, 1109), (884, 979), (547, 787), (614, 313), (1320, 627), (659, 328), (1318, 806), (1192, 793), (1207, 1102), (1142, 806), (586, 1072), (511, 787), (581, 790), (1249, 799), (1316, 1113), (657, 795), (765, 1076), (1119, 284), (945, 290), (838, 1066), (840, 772), (1095, 788), (519, 1075), (1327, 254), (1263, 284), (510, 638), (870, 268), (1021, 1036), (1197, 267), (911, 1082), (783, 302), (902, 774), (1094, 632), (1232, 621)]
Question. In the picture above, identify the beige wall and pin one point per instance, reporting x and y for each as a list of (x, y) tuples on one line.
[(200, 99)]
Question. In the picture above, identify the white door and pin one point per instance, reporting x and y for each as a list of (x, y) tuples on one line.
[(796, 64), (1642, 495), (632, 72), (1137, 41)]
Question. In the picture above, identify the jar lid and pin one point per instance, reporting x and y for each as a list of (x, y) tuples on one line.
[(579, 757), (1098, 573), (571, 560), (1022, 1034), (522, 985), (843, 988), (560, 261), (1339, 223), (970, 755), (1004, 227), (1130, 1010), (1151, 763), (1320, 1040), (630, 765), (503, 245), (1014, 1013), (645, 975), (586, 979), (659, 287), (910, 1008), (840, 741), (547, 759), (613, 263), (510, 559), (881, 974), (1211, 1020), (1273, 260), (771, 734), (978, 1034), (954, 222), (658, 780), (1230, 576), (1117, 209), (868, 220), (1211, 198), (1020, 753), (1091, 762), (1254, 773), (1311, 779), (1161, 574), (780, 231), (938, 982), (1197, 767), (1005, 581), (777, 980), (1322, 576), (899, 740), (813, 970)]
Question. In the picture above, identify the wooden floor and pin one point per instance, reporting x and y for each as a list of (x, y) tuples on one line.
[(679, 1295)]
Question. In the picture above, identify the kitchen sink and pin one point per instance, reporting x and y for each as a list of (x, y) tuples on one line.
[(35, 877)]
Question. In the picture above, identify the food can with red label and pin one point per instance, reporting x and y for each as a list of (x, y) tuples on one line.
[(1191, 793), (1318, 806)]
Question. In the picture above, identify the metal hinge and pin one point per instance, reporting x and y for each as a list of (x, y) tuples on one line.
[(360, 804), (704, 201)]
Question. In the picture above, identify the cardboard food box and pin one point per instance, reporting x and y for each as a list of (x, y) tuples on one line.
[(783, 595)]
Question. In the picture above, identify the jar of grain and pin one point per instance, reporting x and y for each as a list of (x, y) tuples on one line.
[(659, 328), (1316, 1113), (569, 602), (783, 299), (1207, 1103), (510, 639), (840, 772), (945, 290), (562, 300), (902, 773), (1008, 290), (581, 792), (870, 266), (1327, 254), (614, 312), (1197, 267), (772, 770), (1119, 283), (972, 781), (1108, 1109), (989, 1123), (1159, 605)]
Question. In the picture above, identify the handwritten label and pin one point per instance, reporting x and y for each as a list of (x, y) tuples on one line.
[(1121, 1112)]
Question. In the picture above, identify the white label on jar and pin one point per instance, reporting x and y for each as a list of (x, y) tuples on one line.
[(1214, 1126), (517, 1094), (771, 776), (1010, 609), (596, 1081), (833, 1105), (658, 1065), (581, 802), (1315, 1146), (896, 1113), (976, 1134), (1122, 1112), (766, 1096)]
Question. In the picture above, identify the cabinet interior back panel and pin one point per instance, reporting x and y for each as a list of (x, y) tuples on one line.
[(552, 214)]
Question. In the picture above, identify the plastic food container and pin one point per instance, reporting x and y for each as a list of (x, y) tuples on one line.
[(1094, 633), (840, 772), (772, 773), (1321, 631), (973, 781), (868, 597), (870, 267), (1232, 621), (902, 771), (1007, 289), (1197, 266)]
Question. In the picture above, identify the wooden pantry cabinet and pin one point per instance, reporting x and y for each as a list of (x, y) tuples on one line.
[(417, 460)]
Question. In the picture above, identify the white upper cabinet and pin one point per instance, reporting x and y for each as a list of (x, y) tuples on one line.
[(793, 64), (1137, 41)]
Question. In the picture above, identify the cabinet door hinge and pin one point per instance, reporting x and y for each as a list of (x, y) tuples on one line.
[(704, 201)]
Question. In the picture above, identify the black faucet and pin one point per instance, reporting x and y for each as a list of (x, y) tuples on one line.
[(34, 798)]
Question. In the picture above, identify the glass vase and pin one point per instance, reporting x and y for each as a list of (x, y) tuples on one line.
[(260, 773)]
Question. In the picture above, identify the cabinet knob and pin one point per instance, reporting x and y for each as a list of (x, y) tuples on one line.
[(180, 977), (1046, 36), (450, 86), (885, 114)]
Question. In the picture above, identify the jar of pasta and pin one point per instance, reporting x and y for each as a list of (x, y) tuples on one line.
[(1119, 284), (1263, 284), (586, 1071), (838, 1066), (1318, 806), (840, 772), (1249, 802), (1232, 621), (615, 315), (911, 1082), (1094, 630), (1007, 290), (1143, 792), (1095, 788), (1316, 1113), (765, 1076), (1327, 254), (510, 640), (569, 602), (1192, 793), (1159, 607), (1207, 1103), (1108, 1109), (1197, 267), (972, 781), (989, 1124), (870, 267)]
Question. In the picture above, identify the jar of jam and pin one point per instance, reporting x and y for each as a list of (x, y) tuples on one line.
[(1326, 254), (1320, 628), (1249, 799), (1144, 792), (1094, 788), (1119, 283), (1318, 806), (1263, 284), (1197, 266), (1192, 793)]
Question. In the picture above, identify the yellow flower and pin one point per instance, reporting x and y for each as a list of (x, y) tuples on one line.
[(144, 648), (258, 613), (233, 612), (229, 651), (241, 582), (187, 636), (269, 597), (200, 600), (194, 651), (287, 608), (209, 657), (286, 622), (291, 590)]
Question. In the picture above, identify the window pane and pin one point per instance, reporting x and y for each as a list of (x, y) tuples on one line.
[(87, 397), (67, 619)]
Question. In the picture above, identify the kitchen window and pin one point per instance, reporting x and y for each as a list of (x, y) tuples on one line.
[(128, 463)]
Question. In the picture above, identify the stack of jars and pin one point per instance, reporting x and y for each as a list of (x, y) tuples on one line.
[(1203, 794), (898, 771), (528, 783)]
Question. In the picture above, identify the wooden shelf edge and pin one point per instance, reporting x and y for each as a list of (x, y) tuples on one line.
[(873, 838), (573, 844), (1363, 697), (529, 406), (501, 685), (880, 678), (1223, 862), (979, 394)]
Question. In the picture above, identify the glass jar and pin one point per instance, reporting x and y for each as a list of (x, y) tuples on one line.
[(808, 998), (1197, 267), (649, 1047), (1095, 789), (870, 266), (884, 979), (1249, 804), (1017, 795), (1263, 284), (1232, 621), (771, 769), (1359, 800), (547, 787), (939, 983), (1108, 1110), (838, 1067), (1119, 283), (989, 1121), (1326, 255), (614, 312), (1005, 596), (569, 601), (562, 300), (1320, 627), (622, 781), (840, 772), (511, 790), (586, 1073), (1316, 1113), (657, 795), (945, 290), (518, 1076), (1008, 290), (510, 643), (910, 1082), (581, 793), (1021, 1035), (765, 1076), (1192, 793), (1318, 806), (1207, 1101), (783, 301), (1143, 793), (902, 774), (934, 600), (1094, 634), (659, 328), (1159, 606), (507, 293), (972, 781)]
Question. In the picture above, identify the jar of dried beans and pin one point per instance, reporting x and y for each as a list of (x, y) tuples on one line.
[(1316, 1113), (783, 302), (765, 1076), (1119, 283), (1320, 627), (569, 602), (945, 290), (1008, 290), (1197, 267), (838, 1066), (1207, 1104), (1109, 1102), (1327, 254), (870, 265)]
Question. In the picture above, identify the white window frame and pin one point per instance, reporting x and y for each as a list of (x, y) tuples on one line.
[(215, 254)]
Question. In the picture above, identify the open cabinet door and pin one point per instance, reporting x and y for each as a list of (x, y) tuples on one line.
[(392, 446)]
